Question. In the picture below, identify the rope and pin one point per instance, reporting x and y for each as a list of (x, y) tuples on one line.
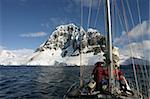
[(130, 13), (113, 20), (119, 15), (105, 25), (120, 19), (89, 15), (97, 13), (81, 13), (149, 60), (133, 25), (141, 68), (140, 21), (126, 26)]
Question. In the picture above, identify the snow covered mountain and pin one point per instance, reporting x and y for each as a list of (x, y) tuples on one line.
[(12, 58), (138, 61), (6, 54), (64, 45)]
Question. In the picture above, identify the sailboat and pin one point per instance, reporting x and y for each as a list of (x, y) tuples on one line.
[(80, 91)]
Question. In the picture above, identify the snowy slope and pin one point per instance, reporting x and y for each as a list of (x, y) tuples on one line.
[(138, 61), (62, 47), (12, 58), (6, 54)]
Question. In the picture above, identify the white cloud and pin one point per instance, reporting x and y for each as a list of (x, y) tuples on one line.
[(138, 49), (86, 3), (135, 34), (54, 21), (17, 52), (37, 34), (22, 52), (139, 30)]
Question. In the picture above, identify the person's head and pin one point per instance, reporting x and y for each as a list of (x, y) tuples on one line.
[(99, 63)]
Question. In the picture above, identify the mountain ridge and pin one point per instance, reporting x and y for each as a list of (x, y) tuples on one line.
[(63, 47), (67, 41)]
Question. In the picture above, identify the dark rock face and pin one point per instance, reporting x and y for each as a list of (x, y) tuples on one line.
[(72, 39)]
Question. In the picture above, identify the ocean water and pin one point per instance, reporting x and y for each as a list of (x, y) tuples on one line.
[(38, 82)]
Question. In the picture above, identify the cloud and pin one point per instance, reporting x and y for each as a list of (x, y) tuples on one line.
[(54, 21), (22, 52), (57, 20), (37, 34), (140, 29), (135, 34), (16, 53), (86, 3), (138, 49)]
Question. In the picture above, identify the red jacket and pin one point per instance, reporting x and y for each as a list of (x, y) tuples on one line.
[(98, 72), (114, 72)]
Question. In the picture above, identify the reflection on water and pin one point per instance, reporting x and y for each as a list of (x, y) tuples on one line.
[(38, 82)]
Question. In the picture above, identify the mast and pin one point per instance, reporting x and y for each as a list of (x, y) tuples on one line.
[(81, 65), (80, 51), (109, 47)]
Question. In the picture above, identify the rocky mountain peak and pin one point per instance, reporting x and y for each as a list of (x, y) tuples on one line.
[(71, 39)]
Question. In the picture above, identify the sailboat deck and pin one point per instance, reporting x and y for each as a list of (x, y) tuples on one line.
[(102, 96)]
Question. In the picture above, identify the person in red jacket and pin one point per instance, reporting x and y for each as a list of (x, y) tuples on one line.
[(98, 75)]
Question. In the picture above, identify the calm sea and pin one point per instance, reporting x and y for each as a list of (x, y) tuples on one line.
[(38, 82)]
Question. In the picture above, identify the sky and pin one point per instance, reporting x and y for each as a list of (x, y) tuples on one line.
[(25, 24)]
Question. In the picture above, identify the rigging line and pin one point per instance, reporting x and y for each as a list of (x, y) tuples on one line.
[(142, 70), (130, 13), (97, 13), (120, 19), (113, 20), (133, 25), (81, 13), (126, 26), (144, 79), (140, 21), (89, 15), (122, 26), (119, 15), (105, 25), (149, 60), (116, 20)]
